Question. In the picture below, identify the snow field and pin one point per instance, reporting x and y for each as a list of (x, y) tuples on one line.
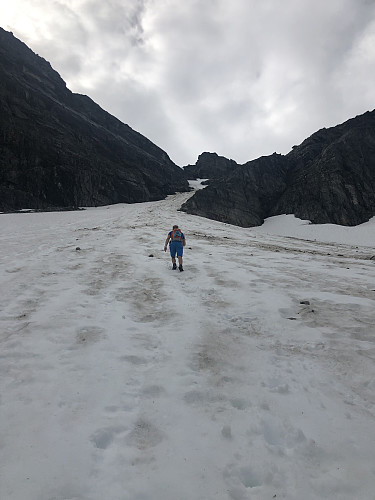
[(248, 376)]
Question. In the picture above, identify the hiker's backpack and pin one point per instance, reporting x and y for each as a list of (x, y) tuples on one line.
[(176, 235)]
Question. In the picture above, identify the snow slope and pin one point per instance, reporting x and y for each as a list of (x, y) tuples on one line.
[(249, 376)]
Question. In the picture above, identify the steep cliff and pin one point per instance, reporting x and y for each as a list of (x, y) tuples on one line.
[(60, 149), (210, 166), (329, 178)]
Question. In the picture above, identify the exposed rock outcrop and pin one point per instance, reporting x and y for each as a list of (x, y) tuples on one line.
[(60, 149), (210, 166), (329, 178)]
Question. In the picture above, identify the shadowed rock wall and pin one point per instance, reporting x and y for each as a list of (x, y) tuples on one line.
[(60, 149), (329, 178)]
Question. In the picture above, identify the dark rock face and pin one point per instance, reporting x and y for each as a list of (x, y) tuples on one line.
[(210, 166), (244, 197), (329, 178), (59, 149)]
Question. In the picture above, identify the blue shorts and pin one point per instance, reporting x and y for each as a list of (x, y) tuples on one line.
[(176, 246)]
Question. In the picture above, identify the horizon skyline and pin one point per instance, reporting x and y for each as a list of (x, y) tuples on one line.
[(243, 81)]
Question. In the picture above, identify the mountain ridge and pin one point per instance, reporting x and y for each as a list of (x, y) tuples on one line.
[(60, 149), (328, 178)]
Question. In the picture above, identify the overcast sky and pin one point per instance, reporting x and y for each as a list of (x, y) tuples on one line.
[(242, 78)]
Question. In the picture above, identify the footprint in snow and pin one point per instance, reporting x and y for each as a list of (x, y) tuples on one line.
[(144, 435)]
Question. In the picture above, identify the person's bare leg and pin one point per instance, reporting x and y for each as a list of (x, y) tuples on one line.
[(180, 264)]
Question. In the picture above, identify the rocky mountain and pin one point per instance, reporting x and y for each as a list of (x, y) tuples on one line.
[(60, 149), (210, 166), (329, 178)]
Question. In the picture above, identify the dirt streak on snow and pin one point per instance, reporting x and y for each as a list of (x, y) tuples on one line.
[(249, 376)]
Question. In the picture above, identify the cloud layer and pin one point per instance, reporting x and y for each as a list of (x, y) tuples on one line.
[(243, 78)]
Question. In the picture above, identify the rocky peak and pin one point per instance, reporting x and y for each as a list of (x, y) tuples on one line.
[(210, 166), (329, 178), (60, 149)]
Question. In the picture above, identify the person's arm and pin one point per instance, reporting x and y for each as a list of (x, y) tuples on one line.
[(166, 242), (184, 241)]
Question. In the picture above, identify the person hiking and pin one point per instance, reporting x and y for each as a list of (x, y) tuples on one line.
[(177, 241)]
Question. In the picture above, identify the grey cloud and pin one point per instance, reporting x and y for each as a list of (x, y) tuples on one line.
[(241, 78)]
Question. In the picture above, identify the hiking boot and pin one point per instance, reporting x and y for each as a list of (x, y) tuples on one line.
[(180, 268), (174, 266)]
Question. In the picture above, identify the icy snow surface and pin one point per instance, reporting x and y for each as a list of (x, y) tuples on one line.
[(251, 375)]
